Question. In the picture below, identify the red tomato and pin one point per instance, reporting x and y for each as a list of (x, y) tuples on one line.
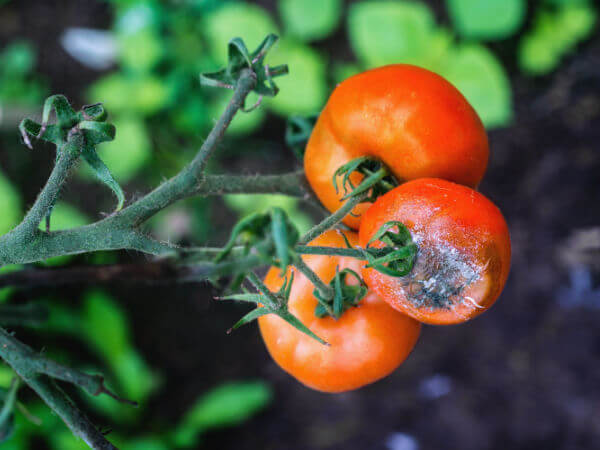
[(411, 119), (365, 344), (464, 251)]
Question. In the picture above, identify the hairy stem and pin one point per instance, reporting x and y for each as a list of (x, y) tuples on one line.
[(44, 202), (25, 362), (191, 176), (333, 219), (325, 290)]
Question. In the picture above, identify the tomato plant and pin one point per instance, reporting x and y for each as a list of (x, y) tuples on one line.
[(412, 120), (365, 344), (464, 250)]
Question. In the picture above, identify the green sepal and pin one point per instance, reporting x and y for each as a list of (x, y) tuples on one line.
[(345, 295), (252, 315), (95, 113), (102, 173), (97, 132), (53, 133), (398, 256), (297, 132), (65, 115), (239, 59), (377, 178)]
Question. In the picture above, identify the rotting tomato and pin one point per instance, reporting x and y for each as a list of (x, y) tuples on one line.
[(412, 120), (463, 256), (365, 344)]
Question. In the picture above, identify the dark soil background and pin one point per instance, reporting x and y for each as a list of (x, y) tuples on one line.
[(526, 375)]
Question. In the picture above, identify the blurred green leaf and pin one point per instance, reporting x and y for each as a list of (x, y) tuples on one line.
[(10, 205), (478, 74), (141, 51), (487, 19), (250, 22), (105, 325), (227, 405), (17, 59), (107, 331), (343, 71), (62, 439), (310, 20), (145, 94), (304, 89), (128, 153), (390, 32), (554, 34)]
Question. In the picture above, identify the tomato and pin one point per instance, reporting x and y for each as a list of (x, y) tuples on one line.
[(464, 250), (365, 344), (411, 119)]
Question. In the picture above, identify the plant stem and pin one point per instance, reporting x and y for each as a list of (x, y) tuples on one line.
[(191, 176), (333, 219), (44, 202), (325, 290), (23, 360)]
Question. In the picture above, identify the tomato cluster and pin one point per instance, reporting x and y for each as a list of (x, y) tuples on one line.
[(424, 132)]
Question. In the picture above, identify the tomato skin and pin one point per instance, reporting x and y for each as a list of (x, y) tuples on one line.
[(413, 120), (365, 344), (463, 241)]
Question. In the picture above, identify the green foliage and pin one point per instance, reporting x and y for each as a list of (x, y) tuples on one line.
[(390, 32), (304, 89), (227, 405), (555, 33), (18, 84), (106, 329), (10, 205), (476, 72), (310, 20), (236, 19), (487, 19)]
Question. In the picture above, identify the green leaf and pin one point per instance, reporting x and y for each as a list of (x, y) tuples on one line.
[(227, 405), (310, 20), (390, 32), (140, 51), (250, 317), (17, 59), (107, 331), (144, 94), (487, 19), (10, 205), (128, 153), (251, 22), (555, 34), (105, 325), (103, 174), (478, 74), (8, 398), (304, 89)]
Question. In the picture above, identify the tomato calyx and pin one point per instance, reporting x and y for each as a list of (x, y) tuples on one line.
[(76, 133), (271, 235), (377, 178), (269, 302), (345, 295), (397, 257), (297, 132), (240, 61)]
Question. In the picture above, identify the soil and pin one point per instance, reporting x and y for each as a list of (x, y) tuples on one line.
[(525, 375)]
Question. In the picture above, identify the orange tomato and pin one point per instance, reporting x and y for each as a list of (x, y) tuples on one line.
[(464, 250), (365, 344), (411, 119)]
